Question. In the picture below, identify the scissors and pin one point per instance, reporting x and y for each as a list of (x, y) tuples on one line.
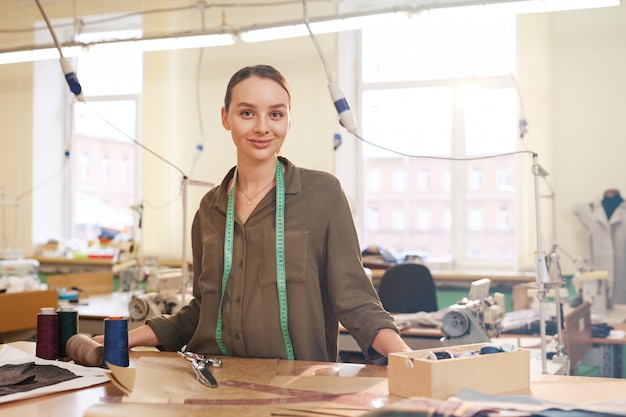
[(200, 365)]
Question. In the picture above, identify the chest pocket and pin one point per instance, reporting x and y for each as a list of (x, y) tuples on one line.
[(296, 257)]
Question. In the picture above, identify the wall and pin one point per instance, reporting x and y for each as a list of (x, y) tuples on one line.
[(571, 84), (169, 124), (571, 77), (589, 106)]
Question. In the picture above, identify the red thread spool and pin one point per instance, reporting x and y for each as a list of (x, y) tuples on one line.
[(47, 342)]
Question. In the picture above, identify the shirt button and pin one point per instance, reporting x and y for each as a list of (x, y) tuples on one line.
[(240, 264), (237, 299), (237, 336)]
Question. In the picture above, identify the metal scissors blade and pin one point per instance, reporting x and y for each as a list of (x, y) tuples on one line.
[(192, 356), (199, 365), (203, 374)]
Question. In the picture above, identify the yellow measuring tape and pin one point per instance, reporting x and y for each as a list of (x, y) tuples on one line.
[(281, 280)]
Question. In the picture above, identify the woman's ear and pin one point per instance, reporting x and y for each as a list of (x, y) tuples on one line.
[(225, 119)]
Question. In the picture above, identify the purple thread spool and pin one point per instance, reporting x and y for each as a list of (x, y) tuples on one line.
[(47, 342)]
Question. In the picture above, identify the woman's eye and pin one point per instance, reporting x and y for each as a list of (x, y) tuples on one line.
[(276, 115), (246, 113)]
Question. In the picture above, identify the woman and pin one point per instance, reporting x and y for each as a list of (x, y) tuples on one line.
[(276, 260)]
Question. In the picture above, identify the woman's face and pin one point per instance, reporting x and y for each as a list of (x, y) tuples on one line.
[(258, 118)]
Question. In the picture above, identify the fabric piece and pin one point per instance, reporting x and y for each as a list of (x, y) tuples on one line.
[(21, 352), (326, 282), (28, 376)]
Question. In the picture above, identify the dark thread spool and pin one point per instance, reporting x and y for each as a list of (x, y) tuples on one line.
[(47, 339), (85, 351), (489, 349), (116, 341), (68, 327)]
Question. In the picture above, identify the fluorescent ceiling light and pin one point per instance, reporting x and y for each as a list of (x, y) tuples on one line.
[(31, 55), (183, 42), (542, 6), (319, 27), (282, 30), (141, 45), (389, 17)]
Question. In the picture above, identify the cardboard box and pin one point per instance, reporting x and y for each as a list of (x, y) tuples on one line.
[(18, 311), (412, 374)]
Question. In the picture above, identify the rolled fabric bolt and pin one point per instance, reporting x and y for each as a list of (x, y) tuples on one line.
[(84, 350)]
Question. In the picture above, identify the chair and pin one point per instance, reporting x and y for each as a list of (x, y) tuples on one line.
[(408, 288)]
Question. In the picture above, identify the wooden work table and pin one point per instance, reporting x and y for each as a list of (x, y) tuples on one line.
[(79, 265), (74, 403)]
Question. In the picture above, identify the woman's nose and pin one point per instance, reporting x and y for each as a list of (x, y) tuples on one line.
[(261, 125)]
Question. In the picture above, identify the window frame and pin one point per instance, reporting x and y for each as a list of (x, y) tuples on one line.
[(349, 64)]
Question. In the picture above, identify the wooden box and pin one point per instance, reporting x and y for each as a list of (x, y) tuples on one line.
[(18, 311), (412, 374)]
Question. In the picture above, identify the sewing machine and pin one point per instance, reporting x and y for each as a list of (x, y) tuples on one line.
[(19, 267), (162, 297), (474, 319)]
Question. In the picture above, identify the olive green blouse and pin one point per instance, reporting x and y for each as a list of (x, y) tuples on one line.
[(326, 283)]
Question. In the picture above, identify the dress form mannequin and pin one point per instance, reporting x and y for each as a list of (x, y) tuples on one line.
[(605, 223), (611, 200)]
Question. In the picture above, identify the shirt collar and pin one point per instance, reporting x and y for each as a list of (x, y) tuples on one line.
[(293, 182)]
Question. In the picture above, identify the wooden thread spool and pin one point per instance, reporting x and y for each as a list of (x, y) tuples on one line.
[(84, 350)]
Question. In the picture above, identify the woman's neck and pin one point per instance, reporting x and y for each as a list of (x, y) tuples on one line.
[(255, 175)]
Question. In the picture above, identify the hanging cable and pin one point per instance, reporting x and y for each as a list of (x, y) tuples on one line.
[(346, 118), (68, 70), (201, 6)]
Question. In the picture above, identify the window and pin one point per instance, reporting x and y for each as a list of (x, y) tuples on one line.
[(374, 181), (423, 180), (398, 219), (441, 106), (84, 167), (398, 182), (502, 218), (447, 219), (447, 180), (423, 219), (124, 170), (373, 219), (98, 181), (503, 177), (105, 166), (475, 219), (475, 179), (103, 201)]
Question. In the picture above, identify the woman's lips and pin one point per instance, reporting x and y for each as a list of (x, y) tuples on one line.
[(258, 143)]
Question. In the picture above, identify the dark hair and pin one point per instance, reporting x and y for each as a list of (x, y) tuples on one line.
[(260, 70)]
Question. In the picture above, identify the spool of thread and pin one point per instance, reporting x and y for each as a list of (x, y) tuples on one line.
[(47, 339), (116, 341), (489, 349), (68, 327), (85, 351)]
